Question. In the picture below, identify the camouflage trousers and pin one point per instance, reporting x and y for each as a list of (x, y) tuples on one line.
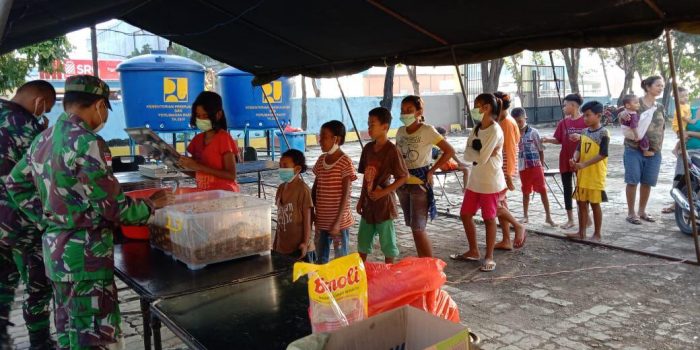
[(21, 257), (87, 314)]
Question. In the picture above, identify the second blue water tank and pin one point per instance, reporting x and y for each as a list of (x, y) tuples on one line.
[(245, 105)]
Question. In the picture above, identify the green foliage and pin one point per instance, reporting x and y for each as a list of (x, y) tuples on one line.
[(15, 65), (146, 49)]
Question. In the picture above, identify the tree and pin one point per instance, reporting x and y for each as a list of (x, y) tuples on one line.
[(513, 65), (304, 113), (15, 65), (388, 98), (314, 85), (491, 74), (625, 57), (602, 54), (572, 59), (145, 49), (413, 76)]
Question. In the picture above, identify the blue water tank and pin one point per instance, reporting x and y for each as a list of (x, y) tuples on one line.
[(158, 90), (245, 105)]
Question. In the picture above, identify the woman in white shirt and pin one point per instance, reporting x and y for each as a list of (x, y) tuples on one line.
[(486, 180)]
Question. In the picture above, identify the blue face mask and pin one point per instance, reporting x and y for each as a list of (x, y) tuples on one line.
[(286, 174)]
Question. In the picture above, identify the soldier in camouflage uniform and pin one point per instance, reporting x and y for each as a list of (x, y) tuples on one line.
[(81, 203), (21, 120)]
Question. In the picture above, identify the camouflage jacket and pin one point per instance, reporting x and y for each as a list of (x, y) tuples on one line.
[(18, 128), (81, 201)]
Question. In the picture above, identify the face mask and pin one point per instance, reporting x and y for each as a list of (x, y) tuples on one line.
[(43, 109), (408, 119), (102, 124), (286, 174), (203, 124), (477, 115), (333, 149)]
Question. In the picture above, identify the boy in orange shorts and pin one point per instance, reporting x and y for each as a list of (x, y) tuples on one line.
[(530, 164), (591, 163)]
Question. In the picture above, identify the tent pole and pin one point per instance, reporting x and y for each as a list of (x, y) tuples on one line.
[(461, 88), (684, 153), (93, 45), (347, 106), (5, 8), (554, 73), (279, 125)]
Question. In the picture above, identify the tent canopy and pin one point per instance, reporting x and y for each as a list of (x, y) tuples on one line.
[(321, 38)]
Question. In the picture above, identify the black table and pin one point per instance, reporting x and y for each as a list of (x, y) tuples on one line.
[(133, 180), (154, 275), (266, 313)]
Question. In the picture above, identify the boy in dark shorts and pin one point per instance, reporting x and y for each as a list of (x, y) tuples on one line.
[(380, 160)]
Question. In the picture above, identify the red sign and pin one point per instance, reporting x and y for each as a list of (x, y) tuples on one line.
[(108, 69)]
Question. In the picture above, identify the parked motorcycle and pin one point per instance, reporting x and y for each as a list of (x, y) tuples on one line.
[(680, 197)]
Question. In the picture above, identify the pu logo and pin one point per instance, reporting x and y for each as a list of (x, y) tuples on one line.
[(177, 227), (175, 89), (273, 91)]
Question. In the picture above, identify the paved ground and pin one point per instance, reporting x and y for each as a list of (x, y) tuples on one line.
[(554, 294)]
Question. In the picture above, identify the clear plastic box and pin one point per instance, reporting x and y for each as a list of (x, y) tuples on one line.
[(209, 231), (159, 232)]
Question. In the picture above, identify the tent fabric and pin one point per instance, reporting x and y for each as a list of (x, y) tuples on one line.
[(321, 38)]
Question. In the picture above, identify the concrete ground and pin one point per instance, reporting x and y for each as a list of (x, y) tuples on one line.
[(554, 293)]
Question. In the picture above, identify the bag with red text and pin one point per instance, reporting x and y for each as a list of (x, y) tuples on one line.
[(337, 292)]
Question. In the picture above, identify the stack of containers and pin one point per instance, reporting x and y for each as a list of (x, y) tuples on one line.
[(213, 226)]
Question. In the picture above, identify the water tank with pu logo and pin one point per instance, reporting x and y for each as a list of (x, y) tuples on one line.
[(158, 90), (245, 105)]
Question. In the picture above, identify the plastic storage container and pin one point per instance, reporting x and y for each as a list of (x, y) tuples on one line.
[(142, 232), (159, 232), (210, 231), (158, 90), (245, 105), (297, 140)]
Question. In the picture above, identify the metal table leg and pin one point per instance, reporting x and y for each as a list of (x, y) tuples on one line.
[(155, 325), (259, 184), (146, 314)]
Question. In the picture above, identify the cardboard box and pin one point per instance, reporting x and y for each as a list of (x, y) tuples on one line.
[(406, 328)]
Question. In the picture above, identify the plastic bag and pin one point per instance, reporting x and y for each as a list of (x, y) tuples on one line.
[(438, 303), (337, 292), (395, 285)]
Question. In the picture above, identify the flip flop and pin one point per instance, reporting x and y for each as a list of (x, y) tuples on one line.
[(668, 210), (647, 218), (488, 266), (634, 220), (460, 257)]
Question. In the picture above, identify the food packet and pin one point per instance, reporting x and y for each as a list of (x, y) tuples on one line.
[(337, 292)]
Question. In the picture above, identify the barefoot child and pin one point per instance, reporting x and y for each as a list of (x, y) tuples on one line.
[(331, 192), (530, 163), (591, 164), (380, 160), (293, 200), (631, 103)]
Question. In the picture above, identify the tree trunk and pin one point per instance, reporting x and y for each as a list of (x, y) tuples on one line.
[(491, 74), (518, 76), (304, 115), (605, 73), (572, 58), (388, 98), (413, 76), (627, 60), (314, 85)]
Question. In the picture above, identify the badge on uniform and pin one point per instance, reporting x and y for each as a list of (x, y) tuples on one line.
[(108, 158)]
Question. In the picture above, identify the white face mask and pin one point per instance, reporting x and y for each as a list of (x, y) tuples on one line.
[(333, 149), (102, 124), (36, 107), (408, 119)]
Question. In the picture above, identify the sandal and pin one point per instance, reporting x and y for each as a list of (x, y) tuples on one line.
[(460, 257), (634, 220), (668, 210), (488, 266), (647, 218)]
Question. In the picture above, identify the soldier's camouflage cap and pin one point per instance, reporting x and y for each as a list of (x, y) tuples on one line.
[(88, 84)]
